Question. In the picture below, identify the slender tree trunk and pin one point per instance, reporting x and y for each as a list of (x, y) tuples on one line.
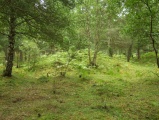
[(25, 56), (97, 38), (138, 49), (21, 56), (110, 51), (89, 53), (89, 39), (29, 57), (17, 56), (138, 52), (129, 54), (153, 41), (94, 62), (11, 38), (151, 36)]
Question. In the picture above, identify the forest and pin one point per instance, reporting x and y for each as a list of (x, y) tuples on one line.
[(79, 60)]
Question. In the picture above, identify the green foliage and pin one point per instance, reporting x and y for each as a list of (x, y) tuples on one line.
[(29, 47), (31, 53), (44, 20), (49, 116), (108, 90), (103, 96), (43, 79), (114, 90), (83, 71), (148, 57), (155, 103)]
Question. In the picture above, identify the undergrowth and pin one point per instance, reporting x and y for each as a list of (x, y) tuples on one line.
[(116, 90)]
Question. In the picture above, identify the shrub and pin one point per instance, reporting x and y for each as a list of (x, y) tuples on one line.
[(43, 79), (148, 57)]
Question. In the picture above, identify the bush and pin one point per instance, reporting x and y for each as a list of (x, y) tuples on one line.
[(43, 79), (148, 57)]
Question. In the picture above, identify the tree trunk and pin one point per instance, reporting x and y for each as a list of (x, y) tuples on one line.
[(11, 38), (153, 44), (153, 41), (21, 56), (129, 54), (155, 49), (25, 56), (89, 39), (138, 49), (110, 51), (151, 36), (97, 37), (89, 53), (157, 62), (29, 57), (17, 55), (94, 62), (138, 52)]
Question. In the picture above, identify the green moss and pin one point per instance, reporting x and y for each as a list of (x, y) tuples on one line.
[(116, 90)]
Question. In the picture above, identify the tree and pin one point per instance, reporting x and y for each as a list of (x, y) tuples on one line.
[(152, 9), (4, 44), (95, 18), (144, 14), (30, 18)]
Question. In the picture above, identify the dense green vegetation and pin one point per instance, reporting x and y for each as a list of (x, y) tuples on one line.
[(79, 60), (114, 90)]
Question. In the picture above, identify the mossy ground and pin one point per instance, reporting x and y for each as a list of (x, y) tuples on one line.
[(116, 90)]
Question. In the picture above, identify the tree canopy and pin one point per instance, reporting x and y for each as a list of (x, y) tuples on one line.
[(31, 18)]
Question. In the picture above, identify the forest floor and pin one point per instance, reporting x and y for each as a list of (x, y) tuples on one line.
[(116, 90)]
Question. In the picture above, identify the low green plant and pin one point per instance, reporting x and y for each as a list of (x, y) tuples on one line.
[(108, 90), (148, 57), (83, 71), (43, 79)]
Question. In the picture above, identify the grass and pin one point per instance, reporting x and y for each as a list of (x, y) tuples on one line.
[(115, 91)]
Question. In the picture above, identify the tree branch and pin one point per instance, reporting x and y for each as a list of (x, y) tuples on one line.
[(25, 20), (26, 34)]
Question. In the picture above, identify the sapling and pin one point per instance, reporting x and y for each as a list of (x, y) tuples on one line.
[(62, 68)]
